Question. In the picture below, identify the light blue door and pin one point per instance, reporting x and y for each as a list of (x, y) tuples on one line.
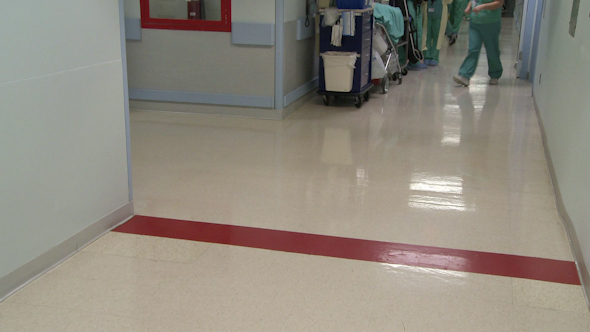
[(529, 34)]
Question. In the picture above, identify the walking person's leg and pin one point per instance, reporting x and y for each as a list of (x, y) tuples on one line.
[(456, 14), (470, 63), (459, 14), (434, 31), (419, 20), (450, 23), (417, 23), (491, 40), (427, 56)]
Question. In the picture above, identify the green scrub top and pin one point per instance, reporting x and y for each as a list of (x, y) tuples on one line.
[(485, 16), (435, 9)]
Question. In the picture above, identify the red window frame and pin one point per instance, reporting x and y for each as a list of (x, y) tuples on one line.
[(224, 25)]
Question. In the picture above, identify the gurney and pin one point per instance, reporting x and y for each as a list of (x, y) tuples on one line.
[(390, 24)]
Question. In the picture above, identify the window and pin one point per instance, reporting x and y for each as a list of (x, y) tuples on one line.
[(205, 15)]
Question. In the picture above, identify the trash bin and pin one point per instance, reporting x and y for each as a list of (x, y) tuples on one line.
[(339, 70)]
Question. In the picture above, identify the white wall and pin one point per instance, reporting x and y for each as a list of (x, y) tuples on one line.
[(62, 123), (300, 55), (201, 61), (132, 8), (562, 94), (204, 61), (294, 9), (253, 11)]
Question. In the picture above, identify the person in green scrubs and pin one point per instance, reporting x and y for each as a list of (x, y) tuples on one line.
[(415, 11), (484, 28), (456, 14), (433, 28), (434, 14)]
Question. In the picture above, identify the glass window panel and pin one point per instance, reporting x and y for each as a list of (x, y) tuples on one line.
[(209, 10)]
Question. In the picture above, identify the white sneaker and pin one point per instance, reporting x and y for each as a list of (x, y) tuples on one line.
[(493, 81), (461, 80)]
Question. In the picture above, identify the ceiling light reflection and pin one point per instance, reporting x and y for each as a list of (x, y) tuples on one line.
[(434, 203), (437, 192), (414, 272), (362, 178), (451, 128), (451, 139), (425, 270), (440, 184)]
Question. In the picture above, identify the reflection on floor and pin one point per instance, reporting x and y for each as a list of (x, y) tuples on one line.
[(428, 164)]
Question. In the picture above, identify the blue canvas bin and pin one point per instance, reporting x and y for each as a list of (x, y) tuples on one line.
[(353, 4)]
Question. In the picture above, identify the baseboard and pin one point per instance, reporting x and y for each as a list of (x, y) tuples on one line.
[(300, 91), (259, 107), (233, 111), (565, 218), (25, 274), (201, 98)]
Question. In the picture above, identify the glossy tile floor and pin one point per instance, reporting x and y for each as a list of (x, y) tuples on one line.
[(427, 164)]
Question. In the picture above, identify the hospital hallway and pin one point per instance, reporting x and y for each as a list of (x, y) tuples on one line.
[(430, 208)]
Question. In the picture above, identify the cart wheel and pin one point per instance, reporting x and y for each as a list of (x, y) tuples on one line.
[(367, 95), (358, 102), (395, 76), (404, 72), (326, 100), (399, 81), (385, 85)]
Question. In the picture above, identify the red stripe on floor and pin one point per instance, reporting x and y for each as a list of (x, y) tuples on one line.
[(366, 250)]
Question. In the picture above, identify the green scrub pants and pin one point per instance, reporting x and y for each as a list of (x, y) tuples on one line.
[(456, 14), (417, 23), (432, 52), (488, 35)]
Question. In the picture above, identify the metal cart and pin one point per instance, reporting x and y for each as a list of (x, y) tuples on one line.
[(390, 58), (362, 44), (405, 41), (359, 96)]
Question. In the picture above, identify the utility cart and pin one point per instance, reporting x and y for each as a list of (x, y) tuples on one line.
[(361, 44)]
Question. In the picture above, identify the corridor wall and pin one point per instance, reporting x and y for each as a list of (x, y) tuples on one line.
[(561, 93), (300, 57), (203, 71), (64, 170), (266, 67)]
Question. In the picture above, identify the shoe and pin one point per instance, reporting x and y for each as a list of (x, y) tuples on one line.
[(452, 39), (427, 62), (433, 63), (461, 80), (493, 81)]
